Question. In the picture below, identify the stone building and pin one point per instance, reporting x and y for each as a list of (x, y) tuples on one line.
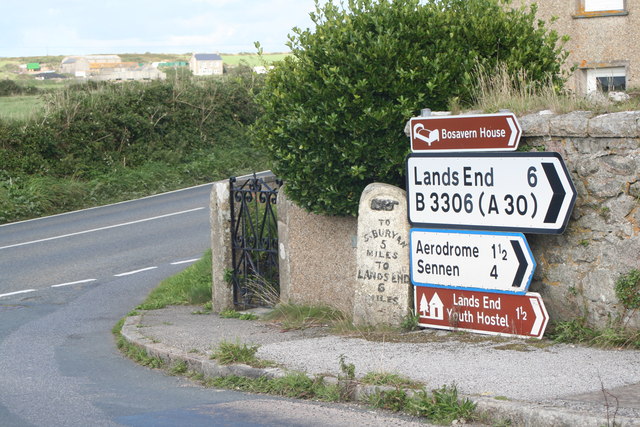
[(81, 65), (206, 64), (604, 40)]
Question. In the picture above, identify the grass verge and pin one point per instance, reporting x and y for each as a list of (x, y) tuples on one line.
[(294, 385), (30, 196), (133, 352), (190, 286)]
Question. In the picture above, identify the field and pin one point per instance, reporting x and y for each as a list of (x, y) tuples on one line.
[(252, 60), (20, 107), (26, 107)]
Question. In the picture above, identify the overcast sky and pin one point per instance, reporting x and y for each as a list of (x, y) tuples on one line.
[(80, 27)]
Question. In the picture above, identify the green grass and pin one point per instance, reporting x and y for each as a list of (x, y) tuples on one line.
[(135, 353), (17, 107), (498, 89), (229, 353), (293, 385), (441, 406), (386, 378), (232, 314), (252, 60), (578, 331), (294, 316), (25, 197), (190, 286)]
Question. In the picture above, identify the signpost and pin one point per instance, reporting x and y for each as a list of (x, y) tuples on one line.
[(491, 261), (527, 192), (488, 132), (472, 280), (522, 316)]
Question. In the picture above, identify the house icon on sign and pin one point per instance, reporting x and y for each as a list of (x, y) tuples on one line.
[(433, 309)]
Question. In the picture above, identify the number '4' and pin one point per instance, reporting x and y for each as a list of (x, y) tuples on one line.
[(494, 272)]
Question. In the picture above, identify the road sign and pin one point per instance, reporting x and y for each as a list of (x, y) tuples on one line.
[(485, 132), (527, 192), (472, 260), (523, 316)]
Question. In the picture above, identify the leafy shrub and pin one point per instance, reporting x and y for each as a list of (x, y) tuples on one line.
[(334, 110), (10, 87)]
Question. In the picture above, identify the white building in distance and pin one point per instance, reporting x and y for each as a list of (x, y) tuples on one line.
[(206, 64)]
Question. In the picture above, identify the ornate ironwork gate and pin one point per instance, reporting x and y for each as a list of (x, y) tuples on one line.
[(254, 239)]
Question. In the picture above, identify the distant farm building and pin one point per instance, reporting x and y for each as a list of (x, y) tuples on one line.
[(78, 65), (108, 67), (206, 64)]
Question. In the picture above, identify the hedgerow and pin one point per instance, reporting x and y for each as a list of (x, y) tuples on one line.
[(91, 129), (103, 142), (334, 110)]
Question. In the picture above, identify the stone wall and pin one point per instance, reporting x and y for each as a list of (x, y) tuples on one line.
[(317, 257), (577, 270)]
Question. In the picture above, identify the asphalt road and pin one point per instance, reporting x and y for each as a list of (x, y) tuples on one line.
[(66, 280)]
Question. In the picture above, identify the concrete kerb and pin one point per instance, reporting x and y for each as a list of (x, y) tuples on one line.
[(518, 412), (195, 362)]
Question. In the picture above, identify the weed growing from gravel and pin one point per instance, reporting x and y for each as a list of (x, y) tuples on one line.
[(294, 316), (389, 379), (228, 353), (442, 405), (232, 314)]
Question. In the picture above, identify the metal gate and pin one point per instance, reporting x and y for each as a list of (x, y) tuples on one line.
[(254, 239)]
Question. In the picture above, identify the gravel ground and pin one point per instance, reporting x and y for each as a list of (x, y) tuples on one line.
[(531, 371), (477, 368)]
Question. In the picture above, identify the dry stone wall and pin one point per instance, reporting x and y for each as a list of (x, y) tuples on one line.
[(577, 270)]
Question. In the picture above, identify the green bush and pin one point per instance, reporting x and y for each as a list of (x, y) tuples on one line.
[(334, 110), (10, 87)]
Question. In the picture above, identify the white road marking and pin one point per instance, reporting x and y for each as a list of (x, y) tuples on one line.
[(128, 273), (104, 206), (102, 228), (185, 261), (73, 283), (17, 292)]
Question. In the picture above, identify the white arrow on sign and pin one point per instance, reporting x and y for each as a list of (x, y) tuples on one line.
[(527, 192), (514, 132), (472, 260)]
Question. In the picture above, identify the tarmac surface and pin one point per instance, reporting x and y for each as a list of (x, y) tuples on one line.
[(530, 382)]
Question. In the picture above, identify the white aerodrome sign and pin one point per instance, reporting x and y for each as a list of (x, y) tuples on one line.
[(471, 260)]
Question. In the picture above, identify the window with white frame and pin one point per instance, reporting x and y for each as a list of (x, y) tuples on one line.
[(606, 79), (603, 5)]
